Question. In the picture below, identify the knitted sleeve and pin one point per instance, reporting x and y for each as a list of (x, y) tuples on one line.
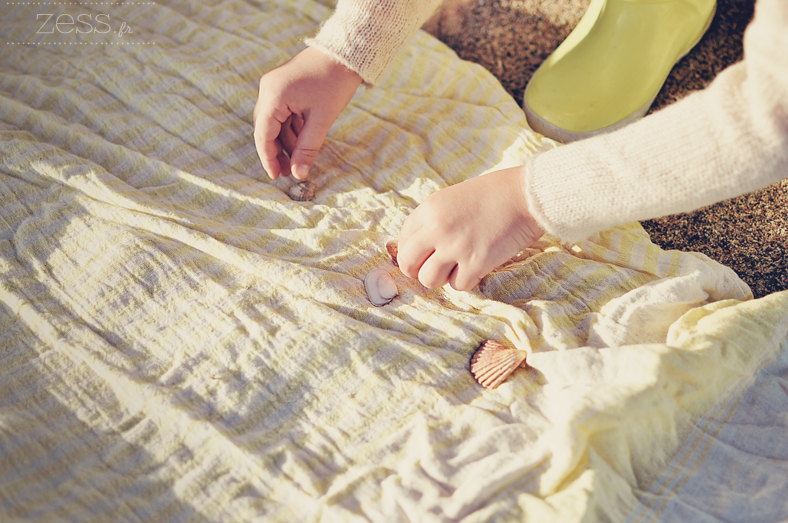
[(724, 141), (366, 35)]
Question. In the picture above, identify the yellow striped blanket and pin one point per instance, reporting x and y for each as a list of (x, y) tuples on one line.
[(181, 341)]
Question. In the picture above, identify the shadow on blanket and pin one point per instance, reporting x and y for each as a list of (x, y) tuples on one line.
[(181, 341)]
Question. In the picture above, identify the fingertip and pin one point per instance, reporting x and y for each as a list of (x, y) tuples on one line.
[(452, 280), (272, 173), (410, 272), (408, 268), (409, 259), (464, 285), (432, 284), (300, 171), (434, 273), (265, 160), (310, 141)]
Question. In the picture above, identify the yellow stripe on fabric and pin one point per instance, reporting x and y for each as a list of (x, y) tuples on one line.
[(213, 340), (769, 313), (371, 348), (129, 405)]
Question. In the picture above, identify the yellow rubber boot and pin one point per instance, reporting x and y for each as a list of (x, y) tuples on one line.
[(610, 68)]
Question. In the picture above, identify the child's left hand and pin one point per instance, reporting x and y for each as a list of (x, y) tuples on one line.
[(461, 233)]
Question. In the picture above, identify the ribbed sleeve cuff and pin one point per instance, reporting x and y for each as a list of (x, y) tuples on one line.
[(366, 36)]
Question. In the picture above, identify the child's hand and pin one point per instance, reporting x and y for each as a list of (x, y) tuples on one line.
[(297, 103), (461, 233)]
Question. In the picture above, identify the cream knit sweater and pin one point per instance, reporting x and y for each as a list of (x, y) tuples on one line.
[(724, 141), (366, 35)]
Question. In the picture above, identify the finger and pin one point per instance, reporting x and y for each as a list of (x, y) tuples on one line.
[(269, 157), (460, 279), (267, 125), (413, 223), (266, 149), (435, 271), (297, 123), (411, 255), (309, 142), (283, 160), (288, 136)]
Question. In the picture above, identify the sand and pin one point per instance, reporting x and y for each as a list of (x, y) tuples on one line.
[(512, 37)]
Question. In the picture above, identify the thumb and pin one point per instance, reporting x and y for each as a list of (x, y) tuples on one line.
[(310, 140)]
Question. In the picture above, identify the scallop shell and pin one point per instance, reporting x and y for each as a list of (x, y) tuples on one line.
[(392, 249), (302, 191), (380, 286), (493, 362)]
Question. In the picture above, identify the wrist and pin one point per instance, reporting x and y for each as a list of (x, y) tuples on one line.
[(334, 65), (531, 213)]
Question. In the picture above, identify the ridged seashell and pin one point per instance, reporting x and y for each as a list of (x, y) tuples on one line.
[(392, 249), (380, 286), (493, 362), (302, 191)]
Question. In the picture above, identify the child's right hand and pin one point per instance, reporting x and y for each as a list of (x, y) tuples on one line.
[(297, 104), (461, 233)]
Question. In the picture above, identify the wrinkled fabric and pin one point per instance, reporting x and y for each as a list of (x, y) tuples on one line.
[(180, 341)]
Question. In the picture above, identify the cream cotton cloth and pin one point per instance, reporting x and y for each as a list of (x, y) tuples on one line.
[(180, 341)]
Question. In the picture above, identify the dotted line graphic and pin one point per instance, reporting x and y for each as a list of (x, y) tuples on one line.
[(80, 43), (80, 3)]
